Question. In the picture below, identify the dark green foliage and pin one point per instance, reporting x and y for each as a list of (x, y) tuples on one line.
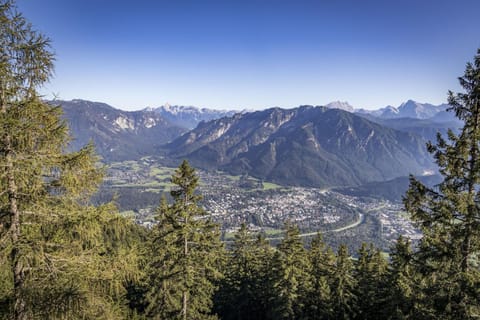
[(402, 281), (185, 254), (319, 299), (246, 289), (371, 286), (292, 276), (342, 286), (449, 216), (63, 258)]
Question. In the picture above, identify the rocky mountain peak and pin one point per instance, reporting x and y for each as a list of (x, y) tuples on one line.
[(342, 105)]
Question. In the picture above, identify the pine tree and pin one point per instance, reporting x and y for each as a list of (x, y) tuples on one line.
[(449, 215), (186, 251), (371, 280), (322, 260), (343, 285), (264, 278), (401, 281), (238, 297), (292, 278)]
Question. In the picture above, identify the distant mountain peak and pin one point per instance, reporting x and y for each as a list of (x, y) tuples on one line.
[(342, 105), (408, 109), (188, 116)]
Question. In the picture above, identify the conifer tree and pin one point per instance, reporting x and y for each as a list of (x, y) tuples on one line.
[(370, 275), (449, 215), (264, 277), (238, 297), (58, 254), (322, 260), (342, 286), (292, 278), (186, 252), (401, 281)]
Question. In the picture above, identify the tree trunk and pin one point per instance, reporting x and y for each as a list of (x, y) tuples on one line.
[(184, 309), (185, 292), (19, 307), (18, 274)]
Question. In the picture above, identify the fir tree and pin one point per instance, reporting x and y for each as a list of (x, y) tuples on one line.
[(370, 274), (292, 278), (238, 297), (186, 252), (449, 215), (401, 281), (264, 277), (322, 260), (343, 285)]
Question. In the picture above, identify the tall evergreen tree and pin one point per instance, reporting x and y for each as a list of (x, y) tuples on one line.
[(59, 255), (343, 285), (402, 282), (26, 62), (292, 278), (186, 251), (371, 280), (322, 260), (449, 216), (264, 277), (238, 297)]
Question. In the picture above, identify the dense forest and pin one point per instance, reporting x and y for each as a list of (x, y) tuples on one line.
[(61, 257)]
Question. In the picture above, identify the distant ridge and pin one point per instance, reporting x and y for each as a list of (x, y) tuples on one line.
[(309, 146), (189, 117), (116, 134), (410, 109), (303, 146)]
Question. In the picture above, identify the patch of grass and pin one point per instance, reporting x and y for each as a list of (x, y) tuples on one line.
[(270, 186), (161, 172), (273, 232), (227, 176)]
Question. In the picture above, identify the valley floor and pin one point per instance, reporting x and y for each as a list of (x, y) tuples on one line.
[(265, 207)]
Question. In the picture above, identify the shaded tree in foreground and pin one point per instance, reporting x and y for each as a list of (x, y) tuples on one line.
[(449, 215)]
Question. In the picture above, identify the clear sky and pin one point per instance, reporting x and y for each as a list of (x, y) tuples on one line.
[(240, 54)]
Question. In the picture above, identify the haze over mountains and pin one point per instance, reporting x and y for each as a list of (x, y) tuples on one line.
[(336, 145), (189, 117)]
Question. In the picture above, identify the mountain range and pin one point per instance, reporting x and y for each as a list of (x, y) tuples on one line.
[(335, 145), (189, 117), (308, 146), (409, 109), (116, 134)]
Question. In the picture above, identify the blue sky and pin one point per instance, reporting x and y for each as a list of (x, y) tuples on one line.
[(256, 54)]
